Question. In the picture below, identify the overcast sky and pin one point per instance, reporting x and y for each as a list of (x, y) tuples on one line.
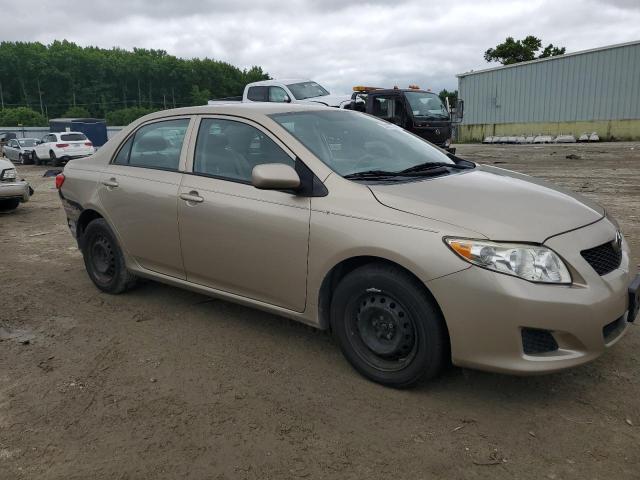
[(335, 42)]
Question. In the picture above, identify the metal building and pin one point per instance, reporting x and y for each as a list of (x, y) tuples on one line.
[(581, 92)]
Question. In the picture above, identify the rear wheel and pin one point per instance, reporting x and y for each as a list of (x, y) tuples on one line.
[(388, 326), (7, 205), (104, 260), (54, 160)]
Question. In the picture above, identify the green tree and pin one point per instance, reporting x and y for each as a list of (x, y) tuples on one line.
[(514, 51), (12, 117), (200, 97), (56, 77), (76, 112), (452, 96)]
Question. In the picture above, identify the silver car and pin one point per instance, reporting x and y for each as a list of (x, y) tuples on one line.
[(20, 150), (13, 190)]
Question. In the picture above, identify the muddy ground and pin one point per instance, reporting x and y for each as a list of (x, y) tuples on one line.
[(162, 383)]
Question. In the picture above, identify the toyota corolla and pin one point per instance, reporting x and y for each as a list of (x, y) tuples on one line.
[(413, 257)]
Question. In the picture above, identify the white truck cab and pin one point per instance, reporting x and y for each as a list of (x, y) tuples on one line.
[(293, 90)]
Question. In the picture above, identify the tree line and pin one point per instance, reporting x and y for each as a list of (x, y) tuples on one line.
[(64, 79)]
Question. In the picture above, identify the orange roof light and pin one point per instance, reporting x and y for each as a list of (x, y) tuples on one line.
[(360, 88), (414, 87)]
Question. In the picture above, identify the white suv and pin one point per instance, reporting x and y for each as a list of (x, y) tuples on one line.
[(60, 147)]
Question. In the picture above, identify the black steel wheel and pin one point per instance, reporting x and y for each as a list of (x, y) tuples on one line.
[(103, 258), (381, 331), (388, 326)]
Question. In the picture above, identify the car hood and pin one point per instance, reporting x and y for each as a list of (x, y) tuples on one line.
[(496, 203), (330, 100), (5, 164)]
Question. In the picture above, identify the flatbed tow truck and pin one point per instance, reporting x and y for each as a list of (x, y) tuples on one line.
[(420, 112)]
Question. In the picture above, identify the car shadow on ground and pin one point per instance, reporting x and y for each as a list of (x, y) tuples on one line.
[(454, 381)]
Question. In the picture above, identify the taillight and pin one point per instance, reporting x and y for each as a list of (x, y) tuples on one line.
[(88, 144), (59, 180), (62, 145)]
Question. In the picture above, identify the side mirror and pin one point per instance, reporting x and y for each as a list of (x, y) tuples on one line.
[(459, 110), (274, 176), (287, 99)]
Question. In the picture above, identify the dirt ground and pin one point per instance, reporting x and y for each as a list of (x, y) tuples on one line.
[(162, 383)]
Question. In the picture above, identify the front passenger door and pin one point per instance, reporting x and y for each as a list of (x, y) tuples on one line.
[(234, 237)]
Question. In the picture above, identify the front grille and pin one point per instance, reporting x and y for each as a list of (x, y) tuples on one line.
[(613, 329), (538, 341), (604, 258)]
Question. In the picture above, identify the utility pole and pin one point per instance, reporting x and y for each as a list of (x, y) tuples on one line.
[(74, 97), (150, 101), (164, 100), (1, 96), (139, 94), (173, 97), (40, 95)]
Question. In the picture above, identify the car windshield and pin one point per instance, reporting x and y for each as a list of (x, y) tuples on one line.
[(27, 142), (307, 90), (424, 104), (73, 137), (351, 142)]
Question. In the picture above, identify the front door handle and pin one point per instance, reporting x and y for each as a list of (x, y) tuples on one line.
[(111, 183), (191, 197)]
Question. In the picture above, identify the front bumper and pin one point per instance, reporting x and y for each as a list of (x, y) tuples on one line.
[(486, 312), (19, 189)]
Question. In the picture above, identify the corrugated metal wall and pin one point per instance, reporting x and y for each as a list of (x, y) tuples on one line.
[(598, 85)]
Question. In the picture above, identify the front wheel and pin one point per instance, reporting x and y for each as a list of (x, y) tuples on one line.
[(36, 159), (388, 327), (104, 260)]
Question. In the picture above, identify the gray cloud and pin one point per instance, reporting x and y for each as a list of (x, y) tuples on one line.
[(336, 42)]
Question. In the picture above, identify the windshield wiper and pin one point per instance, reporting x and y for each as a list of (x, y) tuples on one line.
[(425, 167), (370, 174)]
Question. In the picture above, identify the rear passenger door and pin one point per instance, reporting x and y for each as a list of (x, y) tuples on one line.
[(139, 193), (236, 238)]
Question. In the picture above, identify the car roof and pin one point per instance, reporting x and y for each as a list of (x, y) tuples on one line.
[(247, 110), (285, 81), (65, 133)]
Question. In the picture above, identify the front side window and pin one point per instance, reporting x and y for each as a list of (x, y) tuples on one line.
[(350, 142), (304, 90), (277, 94), (229, 149), (156, 145)]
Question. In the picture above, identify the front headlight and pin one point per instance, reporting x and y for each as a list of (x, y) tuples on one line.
[(530, 262), (9, 174)]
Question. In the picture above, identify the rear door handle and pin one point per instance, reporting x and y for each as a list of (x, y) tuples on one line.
[(111, 183), (192, 197)]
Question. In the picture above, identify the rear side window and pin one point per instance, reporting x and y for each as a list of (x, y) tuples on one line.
[(157, 145), (258, 94), (73, 137)]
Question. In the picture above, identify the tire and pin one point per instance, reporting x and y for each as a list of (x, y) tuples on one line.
[(53, 159), (388, 327), (36, 159), (8, 205), (28, 160), (104, 260)]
